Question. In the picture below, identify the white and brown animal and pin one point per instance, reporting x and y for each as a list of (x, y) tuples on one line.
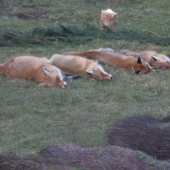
[(79, 65), (109, 56), (152, 57), (108, 18), (30, 67)]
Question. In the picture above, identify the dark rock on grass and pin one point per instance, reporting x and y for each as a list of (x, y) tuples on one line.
[(101, 158), (108, 158), (29, 162), (12, 162), (144, 133), (69, 156)]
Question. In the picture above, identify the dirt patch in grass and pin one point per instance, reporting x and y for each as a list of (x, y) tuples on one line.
[(4, 9), (33, 14)]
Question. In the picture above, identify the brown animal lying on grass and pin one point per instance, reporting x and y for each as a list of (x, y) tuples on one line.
[(152, 57), (30, 67), (79, 65), (144, 133), (110, 57)]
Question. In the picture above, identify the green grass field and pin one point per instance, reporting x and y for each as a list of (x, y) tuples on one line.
[(33, 118)]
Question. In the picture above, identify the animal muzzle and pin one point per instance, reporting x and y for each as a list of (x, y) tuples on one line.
[(65, 85), (137, 72)]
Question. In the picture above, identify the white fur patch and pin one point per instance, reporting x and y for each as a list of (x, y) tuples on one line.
[(149, 66), (110, 11), (59, 73), (61, 76), (168, 59), (64, 84), (101, 69)]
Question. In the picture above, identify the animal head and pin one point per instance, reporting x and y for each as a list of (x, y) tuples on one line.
[(142, 67), (161, 60), (53, 77), (98, 73)]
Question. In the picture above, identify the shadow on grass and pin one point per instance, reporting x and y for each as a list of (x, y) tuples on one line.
[(76, 35)]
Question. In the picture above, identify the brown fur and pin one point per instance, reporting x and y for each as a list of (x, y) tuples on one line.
[(79, 65), (116, 59), (30, 67), (108, 19), (152, 57)]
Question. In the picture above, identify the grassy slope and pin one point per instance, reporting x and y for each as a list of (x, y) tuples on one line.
[(32, 118)]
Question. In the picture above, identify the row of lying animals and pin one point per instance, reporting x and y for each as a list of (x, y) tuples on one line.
[(143, 133), (52, 71)]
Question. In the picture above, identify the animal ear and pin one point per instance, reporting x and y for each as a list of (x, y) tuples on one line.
[(155, 58), (139, 61), (46, 71), (90, 71), (58, 79)]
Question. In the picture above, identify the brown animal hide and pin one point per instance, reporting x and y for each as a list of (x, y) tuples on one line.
[(108, 18)]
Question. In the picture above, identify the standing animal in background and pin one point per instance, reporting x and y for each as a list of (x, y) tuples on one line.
[(30, 67), (144, 133), (152, 57), (110, 57), (108, 18), (78, 65)]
